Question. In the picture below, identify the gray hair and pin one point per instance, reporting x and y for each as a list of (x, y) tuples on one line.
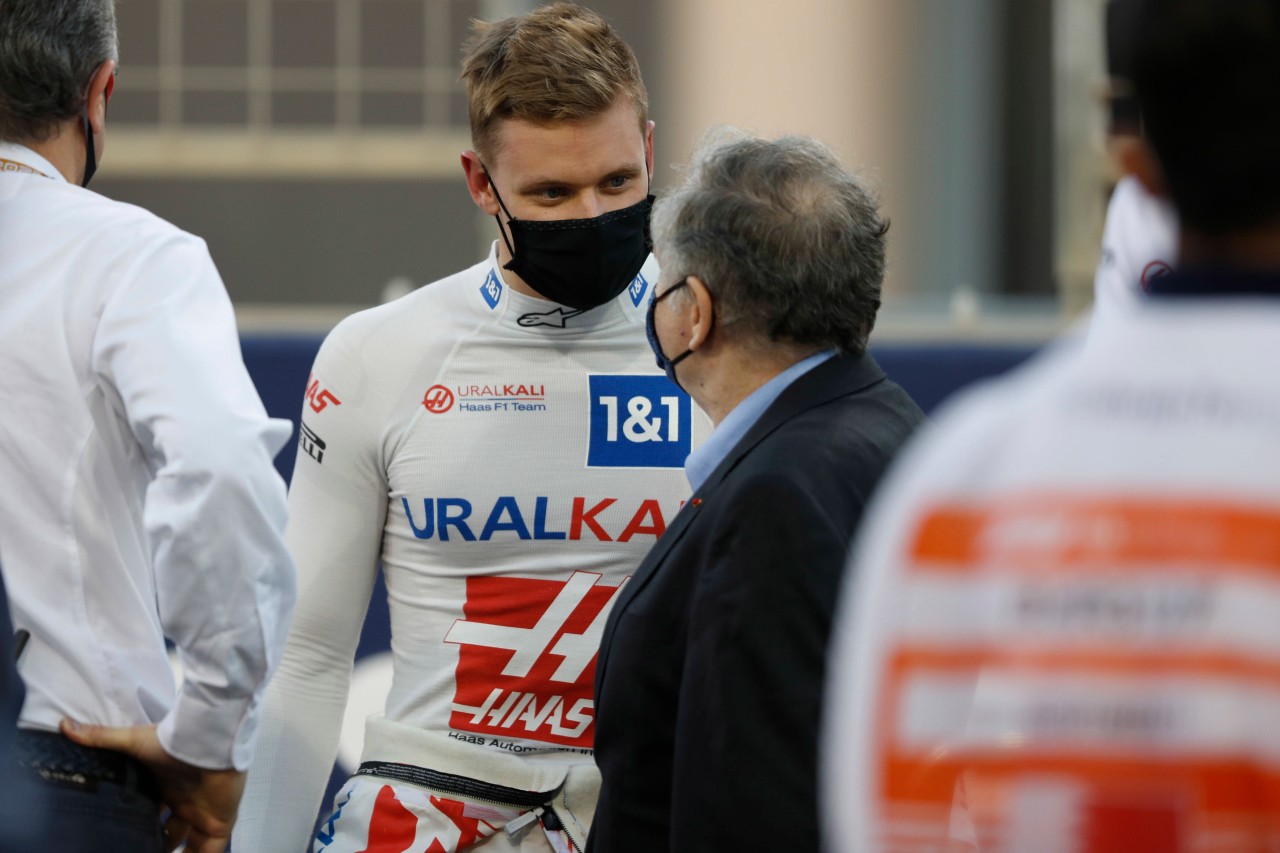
[(48, 51), (790, 244)]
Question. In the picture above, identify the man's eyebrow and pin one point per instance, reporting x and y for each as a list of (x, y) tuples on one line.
[(534, 185)]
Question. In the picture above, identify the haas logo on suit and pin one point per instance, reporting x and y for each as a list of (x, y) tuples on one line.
[(526, 662)]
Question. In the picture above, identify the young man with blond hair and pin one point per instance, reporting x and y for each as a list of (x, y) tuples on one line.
[(501, 443)]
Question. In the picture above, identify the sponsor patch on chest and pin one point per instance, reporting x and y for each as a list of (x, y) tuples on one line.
[(638, 421)]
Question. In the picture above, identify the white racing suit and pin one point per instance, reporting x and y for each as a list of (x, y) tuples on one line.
[(508, 461), (407, 804)]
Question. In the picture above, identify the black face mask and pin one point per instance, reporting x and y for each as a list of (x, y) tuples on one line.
[(666, 365), (581, 263)]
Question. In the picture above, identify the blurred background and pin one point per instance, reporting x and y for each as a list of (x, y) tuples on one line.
[(314, 143)]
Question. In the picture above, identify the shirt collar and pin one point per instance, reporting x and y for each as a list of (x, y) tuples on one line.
[(701, 462), (1215, 280), (23, 156)]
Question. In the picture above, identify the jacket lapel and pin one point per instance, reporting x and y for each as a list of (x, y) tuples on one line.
[(648, 568)]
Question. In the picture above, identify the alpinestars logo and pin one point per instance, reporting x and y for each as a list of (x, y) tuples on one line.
[(526, 666), (555, 318)]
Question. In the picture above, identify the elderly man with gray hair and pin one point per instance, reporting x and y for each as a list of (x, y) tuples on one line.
[(709, 680), (138, 502)]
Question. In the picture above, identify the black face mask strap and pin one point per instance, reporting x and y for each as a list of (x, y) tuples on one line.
[(501, 229), (90, 155)]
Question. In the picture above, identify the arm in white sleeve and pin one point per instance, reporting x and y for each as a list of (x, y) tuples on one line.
[(214, 509), (337, 509)]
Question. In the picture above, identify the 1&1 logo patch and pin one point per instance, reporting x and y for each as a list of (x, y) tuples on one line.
[(638, 422), (491, 290), (639, 286)]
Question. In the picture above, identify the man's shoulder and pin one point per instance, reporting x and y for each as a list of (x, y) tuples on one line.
[(431, 316), (844, 404), (130, 246), (114, 232), (855, 437), (129, 225)]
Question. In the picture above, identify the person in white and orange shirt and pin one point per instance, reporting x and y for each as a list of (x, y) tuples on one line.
[(1140, 235), (1061, 632)]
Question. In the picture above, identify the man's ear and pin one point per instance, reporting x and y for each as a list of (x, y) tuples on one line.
[(101, 85), (703, 319), (1136, 157), (478, 183)]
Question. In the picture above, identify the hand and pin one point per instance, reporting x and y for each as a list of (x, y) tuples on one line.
[(203, 802)]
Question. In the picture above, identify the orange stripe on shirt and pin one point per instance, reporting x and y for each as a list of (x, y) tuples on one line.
[(1050, 532)]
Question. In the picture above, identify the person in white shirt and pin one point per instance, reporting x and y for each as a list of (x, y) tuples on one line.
[(1062, 634), (1139, 244), (503, 444), (138, 501), (1140, 235)]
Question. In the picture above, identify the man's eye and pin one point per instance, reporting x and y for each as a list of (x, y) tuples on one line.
[(617, 182), (553, 193)]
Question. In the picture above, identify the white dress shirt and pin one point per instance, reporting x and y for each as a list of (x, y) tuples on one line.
[(1139, 242), (137, 497)]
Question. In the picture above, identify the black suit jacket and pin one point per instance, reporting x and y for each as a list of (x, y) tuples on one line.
[(710, 673)]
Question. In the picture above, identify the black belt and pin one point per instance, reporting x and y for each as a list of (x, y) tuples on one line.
[(67, 764)]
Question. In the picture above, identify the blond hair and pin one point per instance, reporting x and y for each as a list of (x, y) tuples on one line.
[(559, 62)]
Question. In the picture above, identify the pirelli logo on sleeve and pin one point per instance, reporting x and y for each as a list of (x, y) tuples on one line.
[(311, 443)]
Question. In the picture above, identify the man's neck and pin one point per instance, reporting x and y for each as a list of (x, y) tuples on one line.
[(1252, 249), (64, 149), (731, 376)]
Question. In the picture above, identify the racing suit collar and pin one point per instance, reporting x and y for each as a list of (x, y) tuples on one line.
[(541, 316)]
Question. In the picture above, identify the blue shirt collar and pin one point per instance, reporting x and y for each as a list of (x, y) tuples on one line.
[(709, 455)]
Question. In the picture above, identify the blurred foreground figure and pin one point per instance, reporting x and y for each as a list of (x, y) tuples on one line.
[(712, 663), (1063, 636), (137, 497), (1140, 237)]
